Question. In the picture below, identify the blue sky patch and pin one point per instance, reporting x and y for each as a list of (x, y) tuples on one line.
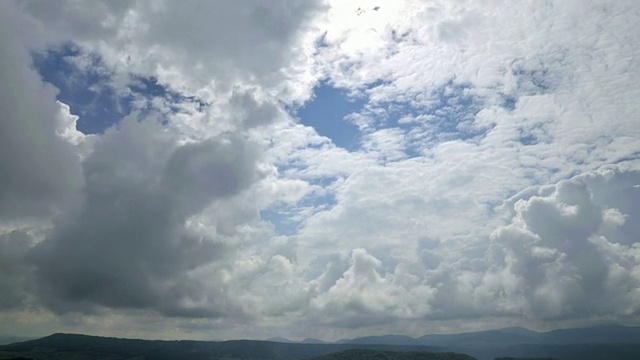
[(87, 91), (450, 116), (277, 216), (151, 88), (280, 215), (325, 112)]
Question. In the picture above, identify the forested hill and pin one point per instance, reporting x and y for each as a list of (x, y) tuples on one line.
[(70, 346), (67, 346), (368, 354)]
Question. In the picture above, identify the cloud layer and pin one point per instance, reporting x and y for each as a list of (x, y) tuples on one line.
[(495, 175)]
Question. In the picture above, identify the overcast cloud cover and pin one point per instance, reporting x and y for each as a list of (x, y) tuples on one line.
[(494, 179)]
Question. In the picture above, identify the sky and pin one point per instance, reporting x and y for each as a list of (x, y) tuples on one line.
[(328, 169)]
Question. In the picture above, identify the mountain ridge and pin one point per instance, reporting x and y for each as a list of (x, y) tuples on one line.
[(597, 333), (521, 342), (587, 343), (64, 345)]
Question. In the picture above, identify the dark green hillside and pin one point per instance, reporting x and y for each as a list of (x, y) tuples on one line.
[(593, 335), (576, 351), (512, 358), (366, 354), (83, 347), (97, 344), (69, 346)]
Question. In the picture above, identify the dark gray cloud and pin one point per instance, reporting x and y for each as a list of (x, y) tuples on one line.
[(122, 236), (215, 168), (38, 170), (128, 246), (13, 270)]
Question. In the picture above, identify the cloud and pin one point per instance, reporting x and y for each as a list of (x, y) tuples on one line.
[(553, 262), (128, 245), (39, 172), (13, 271), (364, 296), (550, 262), (212, 44), (135, 234), (495, 175)]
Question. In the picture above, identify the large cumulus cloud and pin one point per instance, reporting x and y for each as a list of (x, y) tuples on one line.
[(127, 245), (149, 214), (564, 254), (38, 170), (13, 270)]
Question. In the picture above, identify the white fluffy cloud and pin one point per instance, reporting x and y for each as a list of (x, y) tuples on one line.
[(495, 175), (559, 253)]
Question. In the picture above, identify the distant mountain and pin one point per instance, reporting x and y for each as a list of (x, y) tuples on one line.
[(312, 341), (509, 336), (66, 346), (589, 343), (604, 334), (5, 339), (501, 337), (518, 330), (515, 341), (593, 334), (305, 341), (383, 340), (512, 336), (280, 340)]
